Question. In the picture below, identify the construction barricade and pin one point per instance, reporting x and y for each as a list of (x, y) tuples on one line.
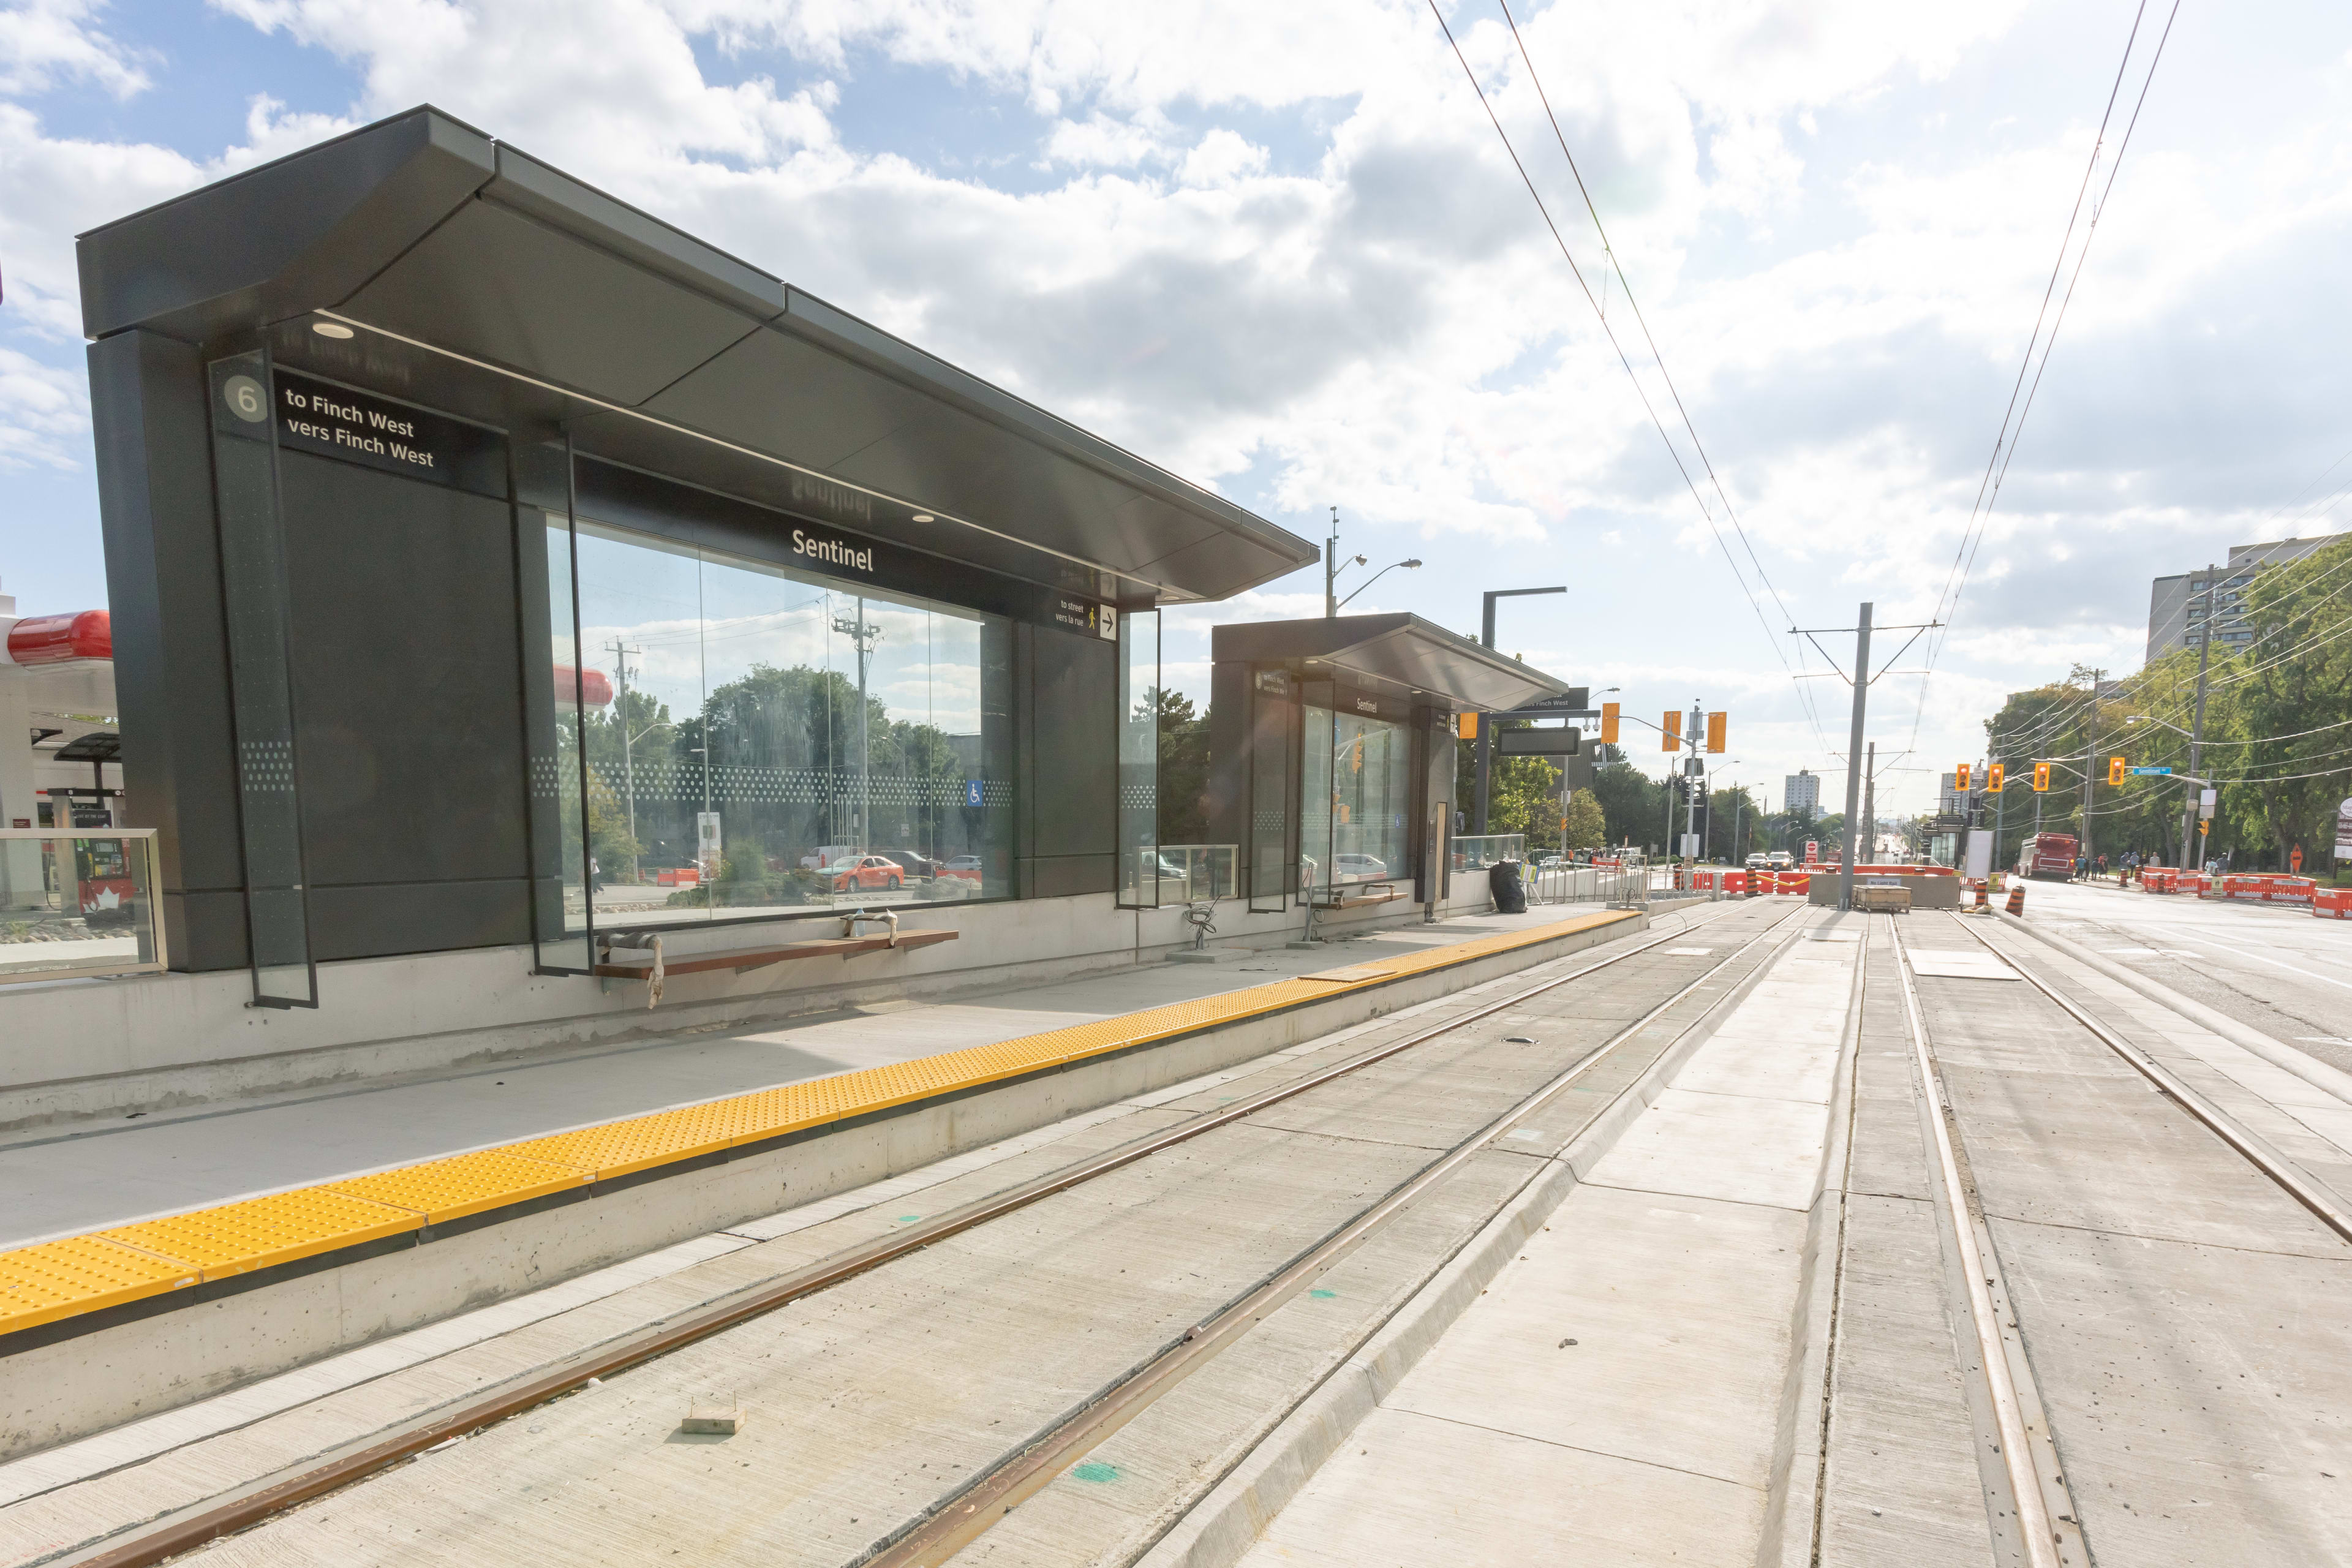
[(2332, 903), (2267, 888), (2159, 879)]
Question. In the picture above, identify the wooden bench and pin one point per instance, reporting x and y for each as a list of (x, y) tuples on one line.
[(1362, 895)]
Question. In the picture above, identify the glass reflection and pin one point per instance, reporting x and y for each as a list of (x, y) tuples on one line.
[(763, 741)]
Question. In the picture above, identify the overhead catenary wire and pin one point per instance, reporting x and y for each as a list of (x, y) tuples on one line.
[(1623, 359), (2021, 390)]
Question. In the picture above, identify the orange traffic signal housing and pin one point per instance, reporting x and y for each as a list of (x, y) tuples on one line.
[(1466, 726), (1608, 724), (1960, 777), (1671, 729), (2115, 769), (2041, 775), (1993, 777), (1717, 725)]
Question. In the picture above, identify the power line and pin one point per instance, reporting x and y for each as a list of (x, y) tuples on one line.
[(2005, 441), (1623, 358)]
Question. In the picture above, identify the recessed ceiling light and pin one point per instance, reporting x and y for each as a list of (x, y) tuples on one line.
[(925, 517), (331, 329)]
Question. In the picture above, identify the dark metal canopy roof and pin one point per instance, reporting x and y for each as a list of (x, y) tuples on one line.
[(477, 280), (95, 746), (1401, 651)]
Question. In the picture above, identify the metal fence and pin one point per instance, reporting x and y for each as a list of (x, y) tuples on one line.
[(1620, 887), (79, 903)]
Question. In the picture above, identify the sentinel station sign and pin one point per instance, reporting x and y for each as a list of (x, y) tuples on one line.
[(335, 422)]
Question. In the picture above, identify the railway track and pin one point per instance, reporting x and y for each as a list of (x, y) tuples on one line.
[(986, 1493), (2033, 1500)]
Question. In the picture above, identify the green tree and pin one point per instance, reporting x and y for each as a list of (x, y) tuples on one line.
[(1183, 769), (1588, 822)]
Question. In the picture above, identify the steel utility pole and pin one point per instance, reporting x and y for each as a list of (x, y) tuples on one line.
[(862, 634), (1690, 782), (1870, 798), (2090, 761), (1485, 720), (2196, 725), (2000, 801), (1332, 570), (1854, 757)]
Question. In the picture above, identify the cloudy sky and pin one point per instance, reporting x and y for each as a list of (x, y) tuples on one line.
[(1281, 250)]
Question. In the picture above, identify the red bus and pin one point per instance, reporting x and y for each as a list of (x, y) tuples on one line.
[(2048, 857)]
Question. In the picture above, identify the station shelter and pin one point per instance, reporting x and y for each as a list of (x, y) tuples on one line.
[(492, 564), (1334, 743)]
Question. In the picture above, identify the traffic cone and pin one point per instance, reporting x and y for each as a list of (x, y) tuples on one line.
[(2017, 898)]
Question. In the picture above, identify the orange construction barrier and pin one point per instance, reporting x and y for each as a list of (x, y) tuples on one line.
[(2332, 903)]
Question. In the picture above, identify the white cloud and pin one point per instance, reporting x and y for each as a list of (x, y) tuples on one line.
[(43, 414), (46, 43)]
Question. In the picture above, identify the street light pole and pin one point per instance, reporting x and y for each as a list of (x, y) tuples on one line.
[(2196, 725), (1486, 727), (862, 634), (2090, 759)]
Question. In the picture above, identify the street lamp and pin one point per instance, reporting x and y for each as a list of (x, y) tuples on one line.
[(1409, 564)]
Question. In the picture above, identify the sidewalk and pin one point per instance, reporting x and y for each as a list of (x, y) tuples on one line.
[(1616, 1394), (64, 1181)]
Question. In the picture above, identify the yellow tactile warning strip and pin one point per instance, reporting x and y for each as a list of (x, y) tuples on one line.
[(54, 1280)]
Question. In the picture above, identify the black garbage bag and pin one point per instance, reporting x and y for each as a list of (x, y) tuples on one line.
[(1510, 894)]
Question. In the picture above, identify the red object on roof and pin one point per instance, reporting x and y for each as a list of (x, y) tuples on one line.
[(61, 639), (575, 688)]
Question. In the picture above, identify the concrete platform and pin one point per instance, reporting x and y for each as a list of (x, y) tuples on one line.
[(1617, 1395), (61, 1180)]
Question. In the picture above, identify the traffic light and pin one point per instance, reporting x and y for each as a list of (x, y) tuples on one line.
[(1716, 723), (1960, 778), (2115, 769), (2041, 776), (1992, 781), (1671, 729), (1608, 724)]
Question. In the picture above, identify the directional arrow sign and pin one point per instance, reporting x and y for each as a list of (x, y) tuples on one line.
[(2137, 773)]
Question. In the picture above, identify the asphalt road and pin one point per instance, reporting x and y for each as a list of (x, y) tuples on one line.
[(2277, 969)]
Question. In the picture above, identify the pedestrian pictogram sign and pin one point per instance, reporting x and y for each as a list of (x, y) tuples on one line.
[(2041, 775), (1960, 778), (1992, 779), (2116, 770)]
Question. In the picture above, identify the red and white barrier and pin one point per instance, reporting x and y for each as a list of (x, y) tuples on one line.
[(2332, 903), (2267, 888)]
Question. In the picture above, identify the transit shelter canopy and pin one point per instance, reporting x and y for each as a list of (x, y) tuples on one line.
[(1401, 651), (475, 279)]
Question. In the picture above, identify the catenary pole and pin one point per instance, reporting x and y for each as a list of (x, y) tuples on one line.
[(1853, 758), (2196, 725), (1870, 800), (2090, 761)]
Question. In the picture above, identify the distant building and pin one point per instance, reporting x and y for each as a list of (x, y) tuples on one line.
[(1800, 791), (2176, 608), (1951, 800)]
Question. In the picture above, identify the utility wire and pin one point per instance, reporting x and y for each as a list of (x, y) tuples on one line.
[(1623, 358), (2005, 441)]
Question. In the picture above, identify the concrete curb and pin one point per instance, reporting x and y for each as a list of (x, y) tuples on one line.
[(2313, 1071), (1793, 1494), (1218, 1529)]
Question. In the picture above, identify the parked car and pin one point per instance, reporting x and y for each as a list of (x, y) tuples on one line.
[(1358, 868), (919, 867), (964, 867), (864, 873)]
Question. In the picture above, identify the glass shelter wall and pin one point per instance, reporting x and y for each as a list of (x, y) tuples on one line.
[(1355, 797), (752, 741)]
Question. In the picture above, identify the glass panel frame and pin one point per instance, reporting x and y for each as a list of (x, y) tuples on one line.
[(756, 741), (48, 932), (1142, 869), (1273, 798), (242, 397)]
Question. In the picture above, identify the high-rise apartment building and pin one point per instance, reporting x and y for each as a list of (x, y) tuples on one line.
[(1800, 791), (2176, 606)]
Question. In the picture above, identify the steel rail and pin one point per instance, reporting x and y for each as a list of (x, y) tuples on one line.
[(2323, 1204), (964, 1516), (2034, 1522), (241, 1507)]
